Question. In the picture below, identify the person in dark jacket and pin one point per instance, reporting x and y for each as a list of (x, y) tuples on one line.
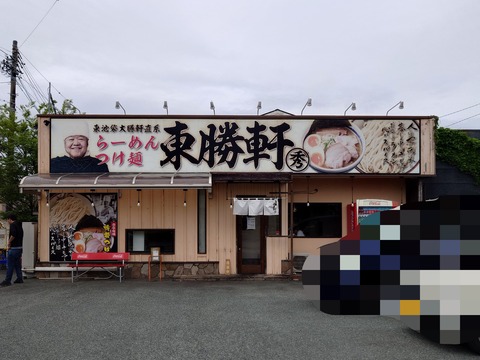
[(14, 251)]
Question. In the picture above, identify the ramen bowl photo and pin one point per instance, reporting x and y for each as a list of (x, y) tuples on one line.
[(334, 149)]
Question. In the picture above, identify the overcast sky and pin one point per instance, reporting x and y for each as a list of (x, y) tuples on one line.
[(235, 53)]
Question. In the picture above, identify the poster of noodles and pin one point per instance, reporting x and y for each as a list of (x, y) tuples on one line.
[(82, 223), (363, 146)]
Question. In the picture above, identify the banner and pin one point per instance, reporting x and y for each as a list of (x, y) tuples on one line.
[(331, 146), (255, 207), (82, 223)]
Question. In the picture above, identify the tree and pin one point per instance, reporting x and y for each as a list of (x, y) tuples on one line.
[(458, 149), (19, 156)]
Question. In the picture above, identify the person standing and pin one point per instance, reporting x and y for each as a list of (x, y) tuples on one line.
[(14, 251)]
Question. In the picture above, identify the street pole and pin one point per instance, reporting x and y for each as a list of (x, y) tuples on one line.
[(13, 76)]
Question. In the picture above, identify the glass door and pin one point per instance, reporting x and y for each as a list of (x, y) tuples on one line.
[(251, 243)]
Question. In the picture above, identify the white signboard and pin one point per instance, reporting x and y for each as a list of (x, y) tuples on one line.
[(235, 145)]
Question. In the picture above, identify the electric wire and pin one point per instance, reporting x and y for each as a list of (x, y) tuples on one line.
[(28, 95), (469, 107), (30, 80), (58, 91), (468, 118), (43, 18)]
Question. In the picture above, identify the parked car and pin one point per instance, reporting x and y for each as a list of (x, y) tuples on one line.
[(419, 263)]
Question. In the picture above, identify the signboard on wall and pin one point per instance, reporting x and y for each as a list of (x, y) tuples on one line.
[(374, 146), (82, 223)]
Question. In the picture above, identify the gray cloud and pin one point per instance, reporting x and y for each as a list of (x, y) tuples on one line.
[(280, 52)]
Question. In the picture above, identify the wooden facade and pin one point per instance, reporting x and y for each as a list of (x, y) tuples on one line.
[(164, 208)]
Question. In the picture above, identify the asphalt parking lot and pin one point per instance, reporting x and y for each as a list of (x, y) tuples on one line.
[(137, 319)]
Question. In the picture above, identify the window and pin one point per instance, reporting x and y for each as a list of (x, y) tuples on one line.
[(202, 222), (273, 225), (319, 220), (140, 241)]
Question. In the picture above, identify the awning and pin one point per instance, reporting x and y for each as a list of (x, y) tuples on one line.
[(252, 177), (116, 181)]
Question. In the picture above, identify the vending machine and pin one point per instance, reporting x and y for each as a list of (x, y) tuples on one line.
[(3, 244), (361, 208)]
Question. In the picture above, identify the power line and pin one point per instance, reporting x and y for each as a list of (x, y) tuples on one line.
[(35, 28), (459, 110), (470, 117), (30, 80), (24, 57)]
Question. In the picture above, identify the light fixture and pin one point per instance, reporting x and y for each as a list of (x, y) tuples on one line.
[(399, 104), (212, 107), (48, 197), (138, 197), (352, 106), (308, 103), (165, 106), (119, 106), (185, 197), (259, 106)]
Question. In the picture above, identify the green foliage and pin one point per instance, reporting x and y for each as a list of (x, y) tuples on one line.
[(18, 158), (457, 149), (19, 155)]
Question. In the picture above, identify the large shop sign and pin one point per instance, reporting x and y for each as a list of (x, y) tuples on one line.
[(374, 146)]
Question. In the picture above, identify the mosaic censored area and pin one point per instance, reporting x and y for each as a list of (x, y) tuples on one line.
[(419, 263)]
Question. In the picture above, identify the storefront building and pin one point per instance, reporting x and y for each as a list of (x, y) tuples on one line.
[(219, 195)]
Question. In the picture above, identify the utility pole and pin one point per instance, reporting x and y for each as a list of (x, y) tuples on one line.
[(13, 76), (11, 67)]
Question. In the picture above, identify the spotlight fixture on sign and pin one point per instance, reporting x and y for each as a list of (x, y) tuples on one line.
[(165, 106), (399, 104), (185, 197), (119, 106), (352, 106), (212, 107), (308, 103), (259, 106), (138, 197)]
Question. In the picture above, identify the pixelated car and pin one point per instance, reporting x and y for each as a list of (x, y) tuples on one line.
[(419, 263)]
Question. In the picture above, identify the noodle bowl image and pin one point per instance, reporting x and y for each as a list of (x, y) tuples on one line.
[(68, 209), (334, 146), (391, 146)]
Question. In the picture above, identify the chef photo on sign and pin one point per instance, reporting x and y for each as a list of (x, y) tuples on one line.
[(75, 143)]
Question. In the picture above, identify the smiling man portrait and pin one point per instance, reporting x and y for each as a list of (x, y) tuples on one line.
[(77, 159)]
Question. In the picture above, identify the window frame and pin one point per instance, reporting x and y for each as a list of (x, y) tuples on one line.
[(331, 214), (201, 221), (147, 244)]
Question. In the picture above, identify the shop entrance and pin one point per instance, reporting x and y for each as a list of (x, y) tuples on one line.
[(251, 244)]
